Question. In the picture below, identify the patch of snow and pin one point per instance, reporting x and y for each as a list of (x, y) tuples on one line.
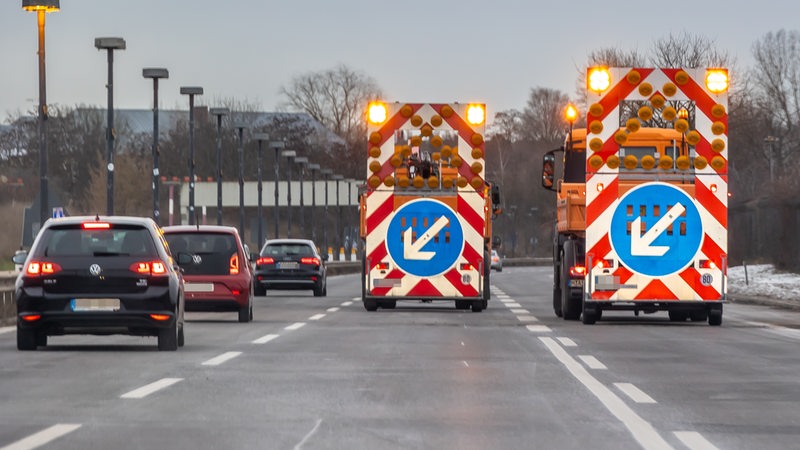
[(763, 280)]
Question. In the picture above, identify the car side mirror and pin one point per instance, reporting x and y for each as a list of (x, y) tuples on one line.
[(325, 257), (19, 257), (548, 170), (253, 257)]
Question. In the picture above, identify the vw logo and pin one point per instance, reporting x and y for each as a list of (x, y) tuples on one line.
[(196, 259), (95, 269)]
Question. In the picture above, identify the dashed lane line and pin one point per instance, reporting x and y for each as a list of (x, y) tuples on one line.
[(43, 437), (265, 339), (567, 342), (634, 393), (333, 309), (513, 305), (217, 360), (694, 440), (317, 316), (592, 362), (527, 318), (347, 303), (295, 326), (144, 391), (538, 328), (520, 311)]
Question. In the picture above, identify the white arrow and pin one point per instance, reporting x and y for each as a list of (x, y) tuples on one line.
[(641, 243), (413, 250)]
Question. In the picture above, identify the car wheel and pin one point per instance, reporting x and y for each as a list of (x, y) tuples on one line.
[(259, 291), (168, 337), (245, 313), (317, 291), (499, 269), (26, 339), (325, 288), (181, 338), (41, 340)]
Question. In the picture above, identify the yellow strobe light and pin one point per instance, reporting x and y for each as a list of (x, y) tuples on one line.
[(599, 79), (476, 114), (377, 112), (717, 80), (571, 113)]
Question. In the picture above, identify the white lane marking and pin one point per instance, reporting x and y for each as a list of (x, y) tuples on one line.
[(567, 342), (356, 299), (333, 309), (295, 326), (538, 328), (144, 391), (308, 436), (316, 317), (507, 300), (503, 296), (634, 393), (4, 330), (513, 305), (694, 440), (347, 303), (642, 431), (465, 364), (43, 437), (592, 362), (520, 311), (217, 360), (265, 339), (527, 318), (462, 343)]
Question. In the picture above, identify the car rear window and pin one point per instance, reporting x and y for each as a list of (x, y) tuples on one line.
[(211, 252), (287, 250), (117, 240)]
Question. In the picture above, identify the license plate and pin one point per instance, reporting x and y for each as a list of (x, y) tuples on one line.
[(198, 287), (94, 304), (576, 283), (287, 265)]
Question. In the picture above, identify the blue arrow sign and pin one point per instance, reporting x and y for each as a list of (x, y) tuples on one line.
[(425, 238), (656, 229)]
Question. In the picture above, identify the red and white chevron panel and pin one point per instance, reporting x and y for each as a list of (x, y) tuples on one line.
[(709, 190), (384, 278)]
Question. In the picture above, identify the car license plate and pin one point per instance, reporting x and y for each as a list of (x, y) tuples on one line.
[(576, 283), (287, 265), (198, 287), (94, 304)]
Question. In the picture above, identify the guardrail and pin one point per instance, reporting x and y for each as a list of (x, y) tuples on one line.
[(8, 309)]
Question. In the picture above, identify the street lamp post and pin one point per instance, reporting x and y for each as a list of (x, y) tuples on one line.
[(302, 162), (277, 146), (42, 7), (338, 178), (289, 155), (348, 225), (155, 74), (109, 44), (313, 168), (260, 137), (191, 91), (219, 113), (325, 173), (240, 126), (771, 140)]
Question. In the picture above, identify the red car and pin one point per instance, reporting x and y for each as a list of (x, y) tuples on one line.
[(218, 276)]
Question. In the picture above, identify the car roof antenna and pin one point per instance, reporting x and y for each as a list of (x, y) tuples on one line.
[(97, 217)]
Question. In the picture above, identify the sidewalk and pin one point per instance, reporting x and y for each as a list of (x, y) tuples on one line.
[(764, 286)]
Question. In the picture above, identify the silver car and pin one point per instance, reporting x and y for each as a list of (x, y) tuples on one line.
[(497, 263)]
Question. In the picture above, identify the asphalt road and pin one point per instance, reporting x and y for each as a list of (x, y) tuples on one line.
[(314, 372)]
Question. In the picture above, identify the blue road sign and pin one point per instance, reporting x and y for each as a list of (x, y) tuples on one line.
[(58, 211), (656, 229), (425, 238)]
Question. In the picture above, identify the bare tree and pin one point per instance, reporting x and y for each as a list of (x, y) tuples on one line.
[(688, 50), (543, 116)]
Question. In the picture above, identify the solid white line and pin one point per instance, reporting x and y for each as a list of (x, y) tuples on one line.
[(538, 328), (316, 317), (513, 305), (144, 391), (4, 330), (592, 362), (520, 311), (333, 309), (43, 437), (634, 393), (527, 318), (642, 431), (694, 440), (308, 436), (295, 326), (217, 360), (347, 303), (567, 342), (777, 329), (265, 339)]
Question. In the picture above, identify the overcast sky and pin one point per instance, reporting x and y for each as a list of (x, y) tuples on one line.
[(493, 51)]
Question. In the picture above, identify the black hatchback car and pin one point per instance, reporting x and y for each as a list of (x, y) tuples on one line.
[(293, 264), (99, 275)]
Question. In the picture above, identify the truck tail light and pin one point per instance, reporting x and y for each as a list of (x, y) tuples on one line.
[(152, 268), (707, 264), (382, 266)]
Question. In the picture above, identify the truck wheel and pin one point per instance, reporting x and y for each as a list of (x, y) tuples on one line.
[(715, 317), (370, 304), (678, 316), (698, 316), (557, 293), (477, 305), (571, 305)]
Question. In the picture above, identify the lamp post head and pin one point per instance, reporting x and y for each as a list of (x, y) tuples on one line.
[(313, 167), (240, 125), (155, 72), (337, 177), (326, 172), (261, 136), (109, 43), (219, 111), (301, 160), (191, 90), (289, 153), (41, 5), (277, 145)]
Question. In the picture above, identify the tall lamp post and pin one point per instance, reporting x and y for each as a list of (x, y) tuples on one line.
[(240, 126), (325, 173), (348, 226), (191, 91), (313, 168), (42, 7), (302, 161), (155, 74), (338, 178), (289, 155), (260, 137), (277, 146), (109, 44), (219, 113)]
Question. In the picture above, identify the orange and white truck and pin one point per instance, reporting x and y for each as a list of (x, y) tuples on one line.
[(427, 207), (642, 197)]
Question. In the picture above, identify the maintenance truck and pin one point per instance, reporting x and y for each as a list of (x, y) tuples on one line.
[(641, 197), (426, 209)]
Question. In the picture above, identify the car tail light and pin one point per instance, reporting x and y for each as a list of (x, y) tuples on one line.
[(96, 226), (577, 271), (310, 260), (30, 317), (149, 268), (235, 291), (234, 264), (159, 317), (265, 260), (36, 268)]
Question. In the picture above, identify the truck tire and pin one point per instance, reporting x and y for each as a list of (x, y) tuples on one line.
[(715, 317), (477, 305), (557, 292), (678, 316), (571, 305), (370, 304)]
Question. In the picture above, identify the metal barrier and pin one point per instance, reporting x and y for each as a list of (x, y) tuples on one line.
[(8, 309)]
